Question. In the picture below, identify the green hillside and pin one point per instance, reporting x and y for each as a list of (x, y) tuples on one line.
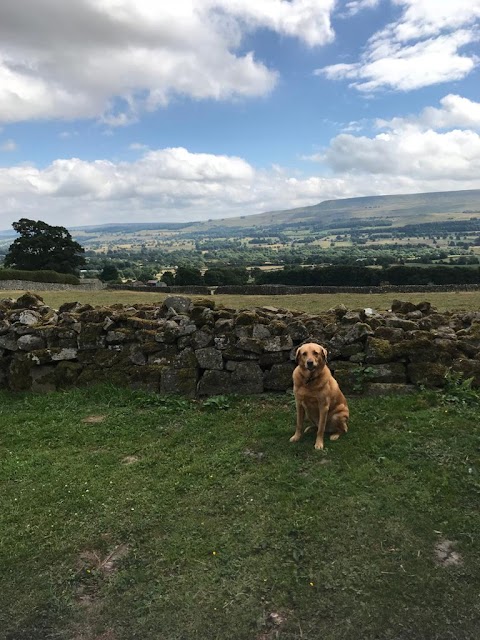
[(399, 209)]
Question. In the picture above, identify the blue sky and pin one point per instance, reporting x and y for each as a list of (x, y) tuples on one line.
[(138, 110)]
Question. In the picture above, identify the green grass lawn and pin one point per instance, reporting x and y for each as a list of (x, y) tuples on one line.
[(126, 515), (309, 302)]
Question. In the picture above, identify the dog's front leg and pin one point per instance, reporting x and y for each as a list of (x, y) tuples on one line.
[(300, 419), (322, 421)]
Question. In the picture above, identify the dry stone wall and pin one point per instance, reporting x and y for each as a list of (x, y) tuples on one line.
[(195, 348), (87, 284)]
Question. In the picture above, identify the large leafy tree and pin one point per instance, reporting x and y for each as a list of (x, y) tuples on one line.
[(109, 273), (188, 275), (41, 246)]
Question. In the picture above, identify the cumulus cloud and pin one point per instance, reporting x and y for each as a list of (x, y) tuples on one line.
[(111, 59), (427, 45), (175, 184), (439, 144), (455, 111), (427, 155)]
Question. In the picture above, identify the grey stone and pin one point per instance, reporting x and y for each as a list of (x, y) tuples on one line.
[(260, 331), (214, 383), (181, 381), (29, 317), (201, 338), (392, 372), (278, 343), (179, 304), (30, 342), (8, 342), (116, 337), (359, 331), (43, 379), (352, 317), (398, 306), (137, 357), (65, 354), (249, 344), (428, 374), (223, 325), (297, 331), (209, 358), (274, 357), (279, 378), (384, 389), (401, 323), (247, 378)]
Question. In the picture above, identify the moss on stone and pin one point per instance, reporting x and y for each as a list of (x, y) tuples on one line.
[(66, 373), (90, 335), (246, 318), (19, 375), (204, 302), (378, 350), (428, 374)]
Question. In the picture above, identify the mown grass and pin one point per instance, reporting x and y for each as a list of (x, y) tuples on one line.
[(309, 302), (172, 519)]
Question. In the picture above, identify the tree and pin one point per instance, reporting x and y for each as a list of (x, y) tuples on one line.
[(109, 273), (44, 247), (226, 276), (168, 278), (188, 275)]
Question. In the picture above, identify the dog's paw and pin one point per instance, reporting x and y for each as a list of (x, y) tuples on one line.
[(319, 446), (334, 436), (295, 438)]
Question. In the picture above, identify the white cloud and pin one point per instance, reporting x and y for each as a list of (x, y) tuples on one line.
[(427, 45), (308, 20), (111, 59), (355, 6), (8, 145), (455, 111), (427, 155), (440, 145), (175, 184)]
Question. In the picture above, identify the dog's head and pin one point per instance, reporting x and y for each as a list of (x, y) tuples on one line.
[(311, 356)]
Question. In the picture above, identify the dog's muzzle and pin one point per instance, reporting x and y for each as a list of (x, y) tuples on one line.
[(310, 364)]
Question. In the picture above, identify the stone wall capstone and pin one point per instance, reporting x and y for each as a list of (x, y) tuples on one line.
[(198, 348)]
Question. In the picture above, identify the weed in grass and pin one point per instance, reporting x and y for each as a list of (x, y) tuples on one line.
[(458, 389), (217, 403), (361, 376)]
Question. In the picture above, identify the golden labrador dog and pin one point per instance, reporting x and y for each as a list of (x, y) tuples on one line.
[(317, 395)]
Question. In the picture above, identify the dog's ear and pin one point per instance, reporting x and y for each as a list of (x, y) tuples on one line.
[(297, 354), (325, 354)]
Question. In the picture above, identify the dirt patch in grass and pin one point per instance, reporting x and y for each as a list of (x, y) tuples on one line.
[(130, 460), (445, 554), (94, 419), (274, 622), (93, 568), (105, 565)]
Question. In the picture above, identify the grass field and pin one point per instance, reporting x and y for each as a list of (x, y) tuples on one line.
[(309, 302), (125, 515)]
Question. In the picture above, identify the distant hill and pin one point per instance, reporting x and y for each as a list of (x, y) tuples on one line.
[(397, 209), (389, 210)]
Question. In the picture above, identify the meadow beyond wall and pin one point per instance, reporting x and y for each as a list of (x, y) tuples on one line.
[(198, 349)]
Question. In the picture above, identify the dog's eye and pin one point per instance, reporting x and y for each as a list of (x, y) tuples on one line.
[(316, 353)]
